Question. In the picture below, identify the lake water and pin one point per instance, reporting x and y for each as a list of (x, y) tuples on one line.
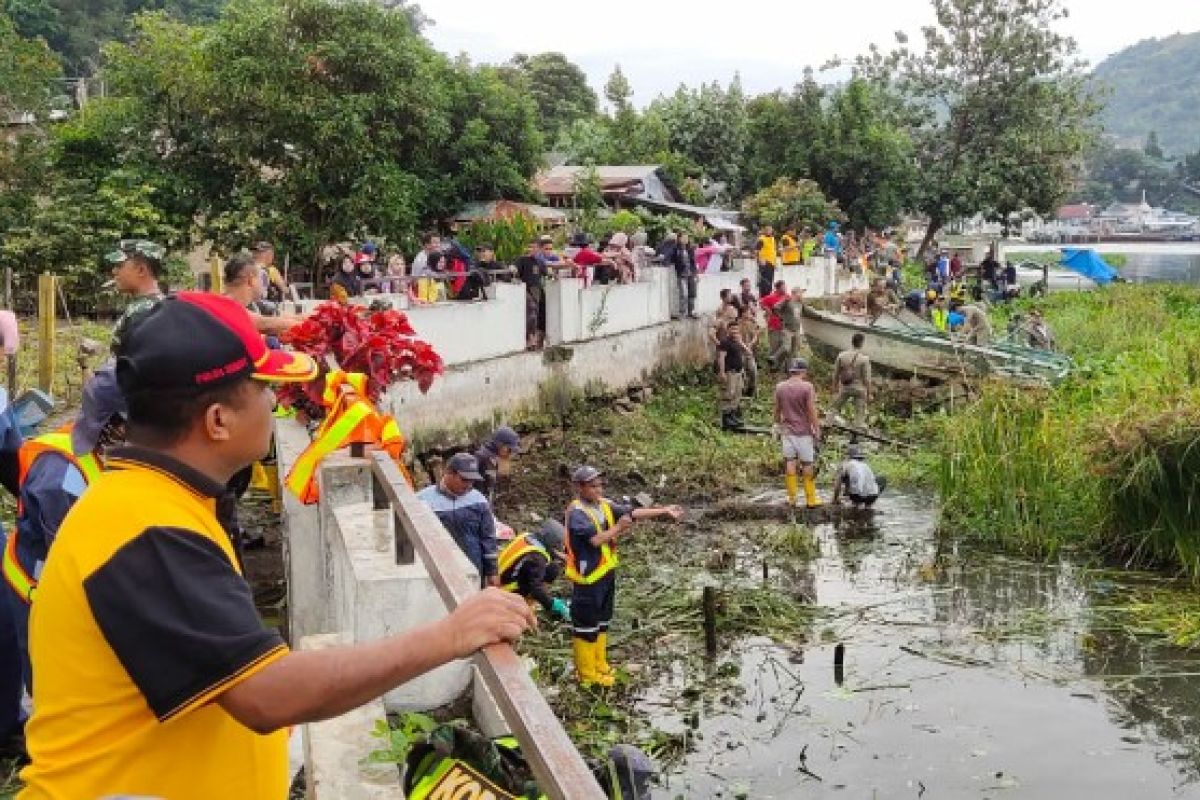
[(967, 675), (1146, 262)]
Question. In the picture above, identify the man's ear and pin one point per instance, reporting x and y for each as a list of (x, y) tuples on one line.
[(217, 419)]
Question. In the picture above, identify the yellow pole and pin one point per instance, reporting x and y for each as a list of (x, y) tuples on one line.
[(216, 284), (47, 304)]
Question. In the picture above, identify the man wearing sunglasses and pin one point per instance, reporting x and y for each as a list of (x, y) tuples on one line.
[(137, 268)]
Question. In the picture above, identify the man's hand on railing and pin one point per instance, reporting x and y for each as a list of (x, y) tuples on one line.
[(489, 617)]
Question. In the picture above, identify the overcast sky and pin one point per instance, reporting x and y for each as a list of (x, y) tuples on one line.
[(661, 43)]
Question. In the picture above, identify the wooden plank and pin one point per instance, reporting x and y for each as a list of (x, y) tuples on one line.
[(47, 306), (561, 772)]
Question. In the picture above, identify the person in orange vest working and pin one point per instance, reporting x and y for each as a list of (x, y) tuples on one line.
[(466, 514), (54, 471), (155, 674), (530, 563), (594, 524)]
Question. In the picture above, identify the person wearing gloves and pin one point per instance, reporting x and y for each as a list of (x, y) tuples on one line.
[(55, 469), (594, 524), (530, 563)]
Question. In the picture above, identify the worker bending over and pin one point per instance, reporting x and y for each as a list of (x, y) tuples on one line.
[(857, 481), (530, 563), (594, 524)]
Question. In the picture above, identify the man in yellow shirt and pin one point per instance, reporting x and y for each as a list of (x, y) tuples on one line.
[(155, 675), (767, 255)]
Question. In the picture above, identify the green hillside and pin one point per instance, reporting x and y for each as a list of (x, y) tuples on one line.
[(1155, 88)]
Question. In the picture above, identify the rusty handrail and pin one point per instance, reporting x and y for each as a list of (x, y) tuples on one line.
[(557, 765)]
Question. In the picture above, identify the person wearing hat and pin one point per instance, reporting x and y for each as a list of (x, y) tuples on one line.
[(55, 469), (594, 524), (857, 480), (494, 457), (466, 514), (155, 674), (832, 241), (530, 563), (799, 427), (137, 269)]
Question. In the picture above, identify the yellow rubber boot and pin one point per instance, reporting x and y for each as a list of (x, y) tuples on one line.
[(585, 663), (597, 656), (810, 493), (792, 482), (602, 665)]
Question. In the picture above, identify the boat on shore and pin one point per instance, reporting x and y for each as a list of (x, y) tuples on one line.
[(1031, 274), (907, 345)]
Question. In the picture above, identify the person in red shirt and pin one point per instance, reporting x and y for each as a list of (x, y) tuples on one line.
[(774, 322), (587, 257)]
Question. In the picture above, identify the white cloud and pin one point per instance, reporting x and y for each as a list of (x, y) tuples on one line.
[(660, 44)]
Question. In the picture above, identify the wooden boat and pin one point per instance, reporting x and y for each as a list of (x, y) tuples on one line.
[(906, 345)]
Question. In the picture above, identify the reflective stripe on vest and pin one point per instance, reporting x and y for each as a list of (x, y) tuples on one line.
[(59, 442), (332, 436), (513, 552), (452, 779), (608, 553), (940, 318)]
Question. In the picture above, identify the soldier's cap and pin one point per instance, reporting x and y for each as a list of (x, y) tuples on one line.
[(152, 252)]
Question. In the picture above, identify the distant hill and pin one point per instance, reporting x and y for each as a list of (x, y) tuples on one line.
[(1155, 87)]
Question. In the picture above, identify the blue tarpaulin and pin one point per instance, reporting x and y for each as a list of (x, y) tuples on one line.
[(1090, 264)]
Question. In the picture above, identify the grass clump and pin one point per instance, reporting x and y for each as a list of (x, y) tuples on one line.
[(1106, 460)]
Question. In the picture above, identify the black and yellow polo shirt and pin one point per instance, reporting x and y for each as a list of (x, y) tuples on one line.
[(142, 618)]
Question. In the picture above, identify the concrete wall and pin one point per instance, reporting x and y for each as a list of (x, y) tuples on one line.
[(340, 556), (468, 333)]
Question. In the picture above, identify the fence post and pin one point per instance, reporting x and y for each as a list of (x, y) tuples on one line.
[(47, 304), (215, 276), (10, 360)]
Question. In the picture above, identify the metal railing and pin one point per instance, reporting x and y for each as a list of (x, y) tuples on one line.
[(557, 765)]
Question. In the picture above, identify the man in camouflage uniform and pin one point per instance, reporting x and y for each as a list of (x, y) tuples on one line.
[(137, 270)]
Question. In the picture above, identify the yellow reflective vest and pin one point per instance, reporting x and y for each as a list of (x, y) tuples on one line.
[(608, 552)]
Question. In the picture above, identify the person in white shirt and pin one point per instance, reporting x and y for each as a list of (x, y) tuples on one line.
[(857, 480)]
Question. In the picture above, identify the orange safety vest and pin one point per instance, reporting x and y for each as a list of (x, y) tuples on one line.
[(608, 552), (514, 551), (351, 419), (15, 575)]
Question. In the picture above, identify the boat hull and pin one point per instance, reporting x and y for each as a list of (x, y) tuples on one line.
[(906, 349)]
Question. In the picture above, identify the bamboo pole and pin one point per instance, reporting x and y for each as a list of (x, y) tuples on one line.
[(47, 306), (215, 282)]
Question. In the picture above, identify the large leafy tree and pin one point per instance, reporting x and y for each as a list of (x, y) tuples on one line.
[(996, 105), (306, 121), (790, 204), (28, 70), (863, 160), (783, 131), (558, 87), (708, 127)]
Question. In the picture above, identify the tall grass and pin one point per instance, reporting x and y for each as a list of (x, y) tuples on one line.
[(1108, 460)]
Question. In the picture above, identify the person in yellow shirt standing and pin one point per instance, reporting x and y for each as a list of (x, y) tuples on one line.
[(789, 248), (767, 255), (155, 675)]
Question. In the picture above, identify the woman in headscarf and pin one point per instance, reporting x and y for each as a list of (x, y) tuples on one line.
[(622, 259)]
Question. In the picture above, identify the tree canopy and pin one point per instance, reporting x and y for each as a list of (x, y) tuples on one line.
[(995, 104), (558, 87)]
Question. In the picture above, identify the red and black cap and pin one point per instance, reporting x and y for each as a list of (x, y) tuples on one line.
[(198, 341)]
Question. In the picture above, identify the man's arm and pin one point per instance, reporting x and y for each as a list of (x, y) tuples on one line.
[(814, 419), (487, 543), (313, 685), (531, 582), (674, 512), (838, 481), (274, 325), (721, 363), (49, 491)]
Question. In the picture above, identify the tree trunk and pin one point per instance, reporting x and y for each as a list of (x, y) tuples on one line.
[(935, 225)]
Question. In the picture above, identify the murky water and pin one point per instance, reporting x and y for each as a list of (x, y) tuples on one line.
[(1149, 262), (966, 675)]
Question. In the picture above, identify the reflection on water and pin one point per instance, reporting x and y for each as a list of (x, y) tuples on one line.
[(966, 675)]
